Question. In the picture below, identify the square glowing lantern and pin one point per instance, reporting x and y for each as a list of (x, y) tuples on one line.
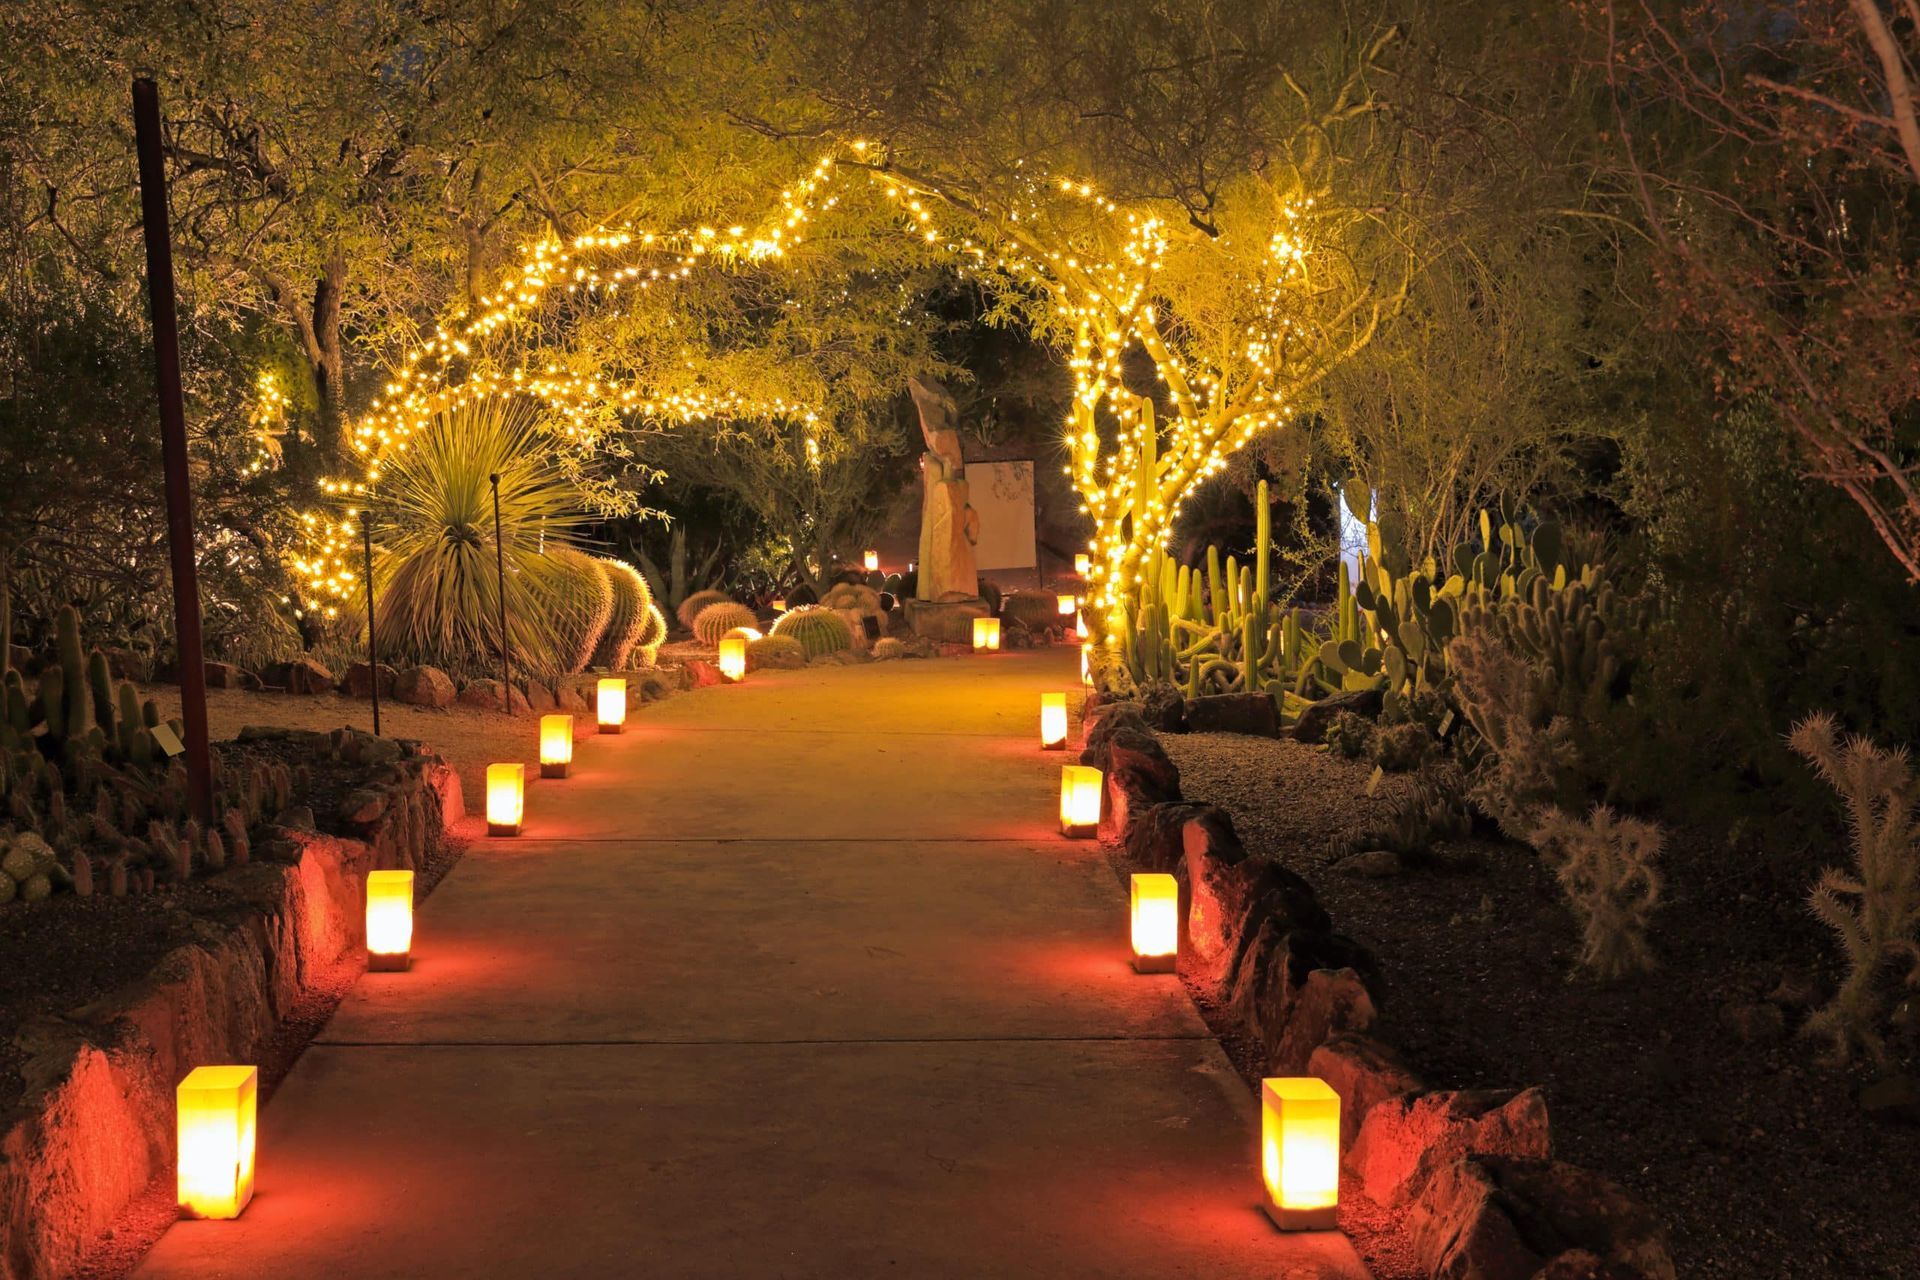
[(556, 745), (1156, 921), (611, 704), (389, 920), (506, 798), (1067, 605), (986, 635), (733, 657), (1083, 564), (1080, 788), (217, 1107), (1300, 1152), (872, 560), (780, 604), (1053, 722)]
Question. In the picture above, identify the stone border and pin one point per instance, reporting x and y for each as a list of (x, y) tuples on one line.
[(1469, 1171), (95, 1125)]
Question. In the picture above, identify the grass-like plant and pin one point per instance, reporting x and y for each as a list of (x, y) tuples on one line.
[(438, 593), (1874, 907)]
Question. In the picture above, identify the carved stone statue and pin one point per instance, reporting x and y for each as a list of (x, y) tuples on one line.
[(949, 526)]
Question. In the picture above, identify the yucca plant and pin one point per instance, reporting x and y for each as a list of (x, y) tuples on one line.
[(438, 595)]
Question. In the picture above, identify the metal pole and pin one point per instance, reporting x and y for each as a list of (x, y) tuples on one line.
[(373, 642), (173, 446), (500, 566)]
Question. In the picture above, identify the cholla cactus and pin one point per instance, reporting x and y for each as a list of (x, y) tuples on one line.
[(713, 622), (1605, 865), (1875, 907)]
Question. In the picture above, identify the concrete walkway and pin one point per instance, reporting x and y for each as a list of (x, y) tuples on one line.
[(792, 979)]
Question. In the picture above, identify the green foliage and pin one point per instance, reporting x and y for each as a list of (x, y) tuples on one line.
[(716, 620), (629, 617), (1873, 907), (691, 606), (819, 629), (438, 581), (1606, 866)]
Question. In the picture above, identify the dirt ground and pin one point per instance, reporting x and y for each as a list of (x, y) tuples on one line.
[(1681, 1085)]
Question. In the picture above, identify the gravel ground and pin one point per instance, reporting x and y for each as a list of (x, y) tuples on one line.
[(1757, 1156)]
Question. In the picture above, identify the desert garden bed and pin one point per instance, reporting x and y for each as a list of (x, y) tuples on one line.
[(1688, 1086)]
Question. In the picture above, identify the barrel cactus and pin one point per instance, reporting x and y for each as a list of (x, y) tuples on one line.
[(775, 652), (889, 648), (713, 622), (652, 636), (1034, 610), (690, 607), (819, 629), (577, 600), (630, 619)]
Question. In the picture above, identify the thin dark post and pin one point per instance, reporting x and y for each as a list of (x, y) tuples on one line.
[(373, 642), (500, 566), (173, 445)]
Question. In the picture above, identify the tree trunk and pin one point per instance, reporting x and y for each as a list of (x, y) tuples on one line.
[(677, 565), (327, 358)]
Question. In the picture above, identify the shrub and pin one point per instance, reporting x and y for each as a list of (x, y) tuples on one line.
[(438, 581), (578, 601), (819, 629), (690, 607), (775, 652), (630, 618), (1605, 866), (1874, 908), (1349, 734), (1398, 748), (714, 621)]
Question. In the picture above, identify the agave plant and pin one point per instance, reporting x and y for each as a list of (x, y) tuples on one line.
[(437, 576)]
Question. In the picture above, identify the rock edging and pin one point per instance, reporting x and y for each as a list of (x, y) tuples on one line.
[(1471, 1171), (95, 1123)]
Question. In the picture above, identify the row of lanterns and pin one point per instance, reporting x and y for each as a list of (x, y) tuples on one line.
[(217, 1106), (1299, 1115)]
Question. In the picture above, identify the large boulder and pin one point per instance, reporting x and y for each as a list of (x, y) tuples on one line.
[(225, 675), (1296, 988), (541, 697), (1311, 726), (1231, 895), (1156, 843), (491, 695), (1492, 1218), (303, 676), (360, 678), (1163, 707), (424, 687), (1139, 776), (1112, 718), (1365, 1073), (1403, 1142), (1256, 714)]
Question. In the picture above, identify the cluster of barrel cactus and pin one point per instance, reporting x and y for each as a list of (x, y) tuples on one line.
[(85, 778), (712, 623)]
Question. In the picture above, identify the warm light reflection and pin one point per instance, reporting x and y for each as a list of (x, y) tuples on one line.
[(612, 704), (389, 920), (1156, 921), (1053, 721), (556, 745), (506, 798), (215, 1135), (872, 559), (986, 635), (1080, 788), (1300, 1152), (1082, 564), (733, 657), (1066, 605)]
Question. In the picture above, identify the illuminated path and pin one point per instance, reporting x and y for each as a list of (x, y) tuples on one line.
[(792, 979)]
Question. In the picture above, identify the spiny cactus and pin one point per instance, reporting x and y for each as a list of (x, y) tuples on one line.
[(1349, 734), (1036, 611), (690, 607), (652, 636), (775, 652), (629, 619), (1433, 808), (1400, 747), (1605, 864), (889, 649), (819, 630), (1873, 907), (713, 622)]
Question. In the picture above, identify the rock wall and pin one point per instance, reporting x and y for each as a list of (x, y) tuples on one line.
[(95, 1123), (1469, 1173)]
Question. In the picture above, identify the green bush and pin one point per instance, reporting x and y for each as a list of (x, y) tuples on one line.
[(818, 628), (714, 621)]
